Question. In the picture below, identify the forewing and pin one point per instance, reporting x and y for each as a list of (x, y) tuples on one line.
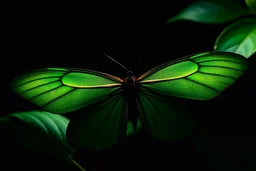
[(200, 77), (62, 90)]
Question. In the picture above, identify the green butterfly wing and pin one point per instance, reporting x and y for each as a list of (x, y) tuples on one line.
[(164, 118), (100, 109), (62, 90), (198, 77), (100, 125)]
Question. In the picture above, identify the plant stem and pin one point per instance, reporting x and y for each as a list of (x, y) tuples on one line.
[(74, 163), (77, 165)]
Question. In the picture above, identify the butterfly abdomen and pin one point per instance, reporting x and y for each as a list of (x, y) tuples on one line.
[(131, 89)]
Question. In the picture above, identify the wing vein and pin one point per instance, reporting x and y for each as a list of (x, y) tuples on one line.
[(45, 92), (56, 98), (16, 86), (38, 86), (216, 74), (101, 124), (202, 84), (218, 60), (220, 67)]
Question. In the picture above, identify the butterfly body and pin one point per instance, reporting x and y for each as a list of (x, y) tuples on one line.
[(131, 90), (114, 107)]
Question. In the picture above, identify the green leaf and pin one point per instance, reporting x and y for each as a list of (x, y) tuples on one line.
[(239, 38), (44, 132), (251, 4), (211, 12)]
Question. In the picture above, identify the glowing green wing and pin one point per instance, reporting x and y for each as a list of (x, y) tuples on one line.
[(198, 77), (62, 90), (96, 98)]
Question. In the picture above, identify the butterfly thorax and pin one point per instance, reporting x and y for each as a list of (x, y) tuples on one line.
[(130, 82), (131, 89)]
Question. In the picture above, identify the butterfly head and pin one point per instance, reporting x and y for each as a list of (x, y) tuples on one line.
[(129, 73)]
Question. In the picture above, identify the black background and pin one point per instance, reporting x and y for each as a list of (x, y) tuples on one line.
[(42, 37)]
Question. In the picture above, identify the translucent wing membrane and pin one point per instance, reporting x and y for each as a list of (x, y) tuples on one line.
[(100, 125), (200, 77), (164, 118), (61, 90)]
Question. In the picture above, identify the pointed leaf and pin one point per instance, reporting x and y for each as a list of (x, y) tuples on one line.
[(42, 132), (251, 4), (211, 12), (239, 37)]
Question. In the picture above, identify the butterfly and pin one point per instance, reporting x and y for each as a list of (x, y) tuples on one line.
[(108, 104)]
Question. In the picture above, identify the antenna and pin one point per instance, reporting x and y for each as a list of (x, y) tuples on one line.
[(113, 60)]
